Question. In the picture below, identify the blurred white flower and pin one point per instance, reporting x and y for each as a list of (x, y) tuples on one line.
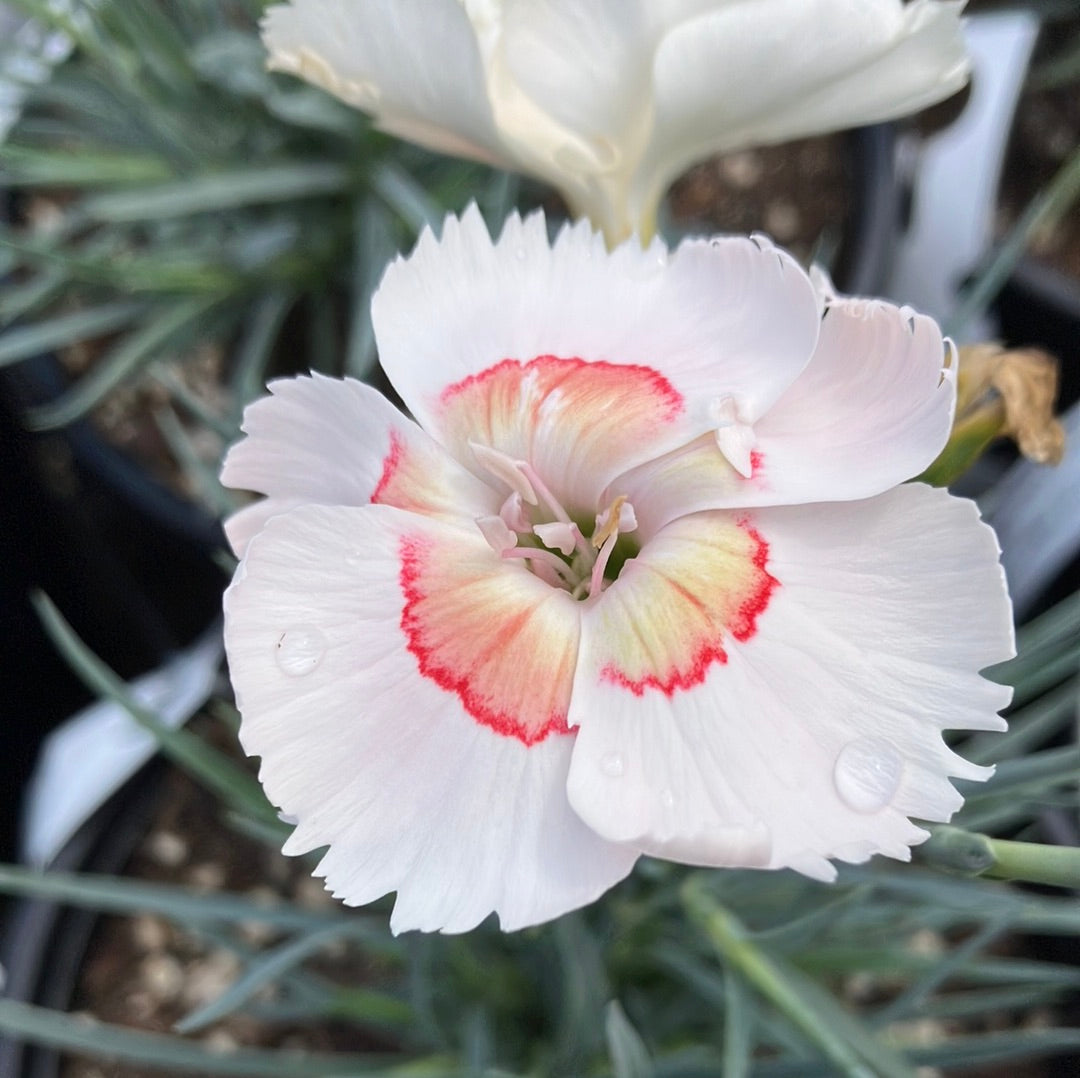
[(643, 577), (611, 100)]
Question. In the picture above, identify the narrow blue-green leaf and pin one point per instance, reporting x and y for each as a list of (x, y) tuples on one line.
[(214, 192), (25, 165), (201, 478), (256, 346), (802, 929), (1046, 675), (1060, 621), (1042, 914), (173, 271), (39, 1025), (18, 301), (910, 1002), (371, 1008), (1043, 211), (139, 347), (262, 971), (215, 771), (835, 959), (109, 894), (405, 196), (998, 1048), (980, 1002), (629, 1056), (738, 1027), (26, 342), (374, 246), (1029, 728), (853, 1050)]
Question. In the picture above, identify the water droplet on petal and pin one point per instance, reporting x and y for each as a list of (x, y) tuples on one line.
[(300, 650), (667, 798), (611, 764), (867, 773), (519, 254)]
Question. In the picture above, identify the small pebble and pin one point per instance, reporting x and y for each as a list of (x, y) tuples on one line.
[(208, 977), (167, 848), (149, 933), (918, 1032), (208, 876), (311, 893), (1039, 1018), (782, 220), (259, 933), (742, 169), (926, 942), (220, 1041), (162, 976), (861, 987), (141, 1005)]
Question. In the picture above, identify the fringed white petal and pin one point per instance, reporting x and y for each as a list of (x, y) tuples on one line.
[(703, 320), (318, 440), (788, 724), (372, 713)]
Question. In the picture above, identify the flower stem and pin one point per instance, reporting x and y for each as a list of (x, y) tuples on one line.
[(972, 854), (851, 1048)]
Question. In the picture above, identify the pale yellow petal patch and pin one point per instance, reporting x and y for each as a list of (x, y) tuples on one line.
[(702, 582)]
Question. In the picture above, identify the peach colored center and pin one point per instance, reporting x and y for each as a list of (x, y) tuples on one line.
[(563, 415), (504, 642)]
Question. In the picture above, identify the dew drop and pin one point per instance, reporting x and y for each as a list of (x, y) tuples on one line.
[(867, 773), (667, 798), (300, 650), (519, 254), (611, 764)]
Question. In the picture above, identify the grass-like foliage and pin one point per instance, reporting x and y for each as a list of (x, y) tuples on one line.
[(170, 192)]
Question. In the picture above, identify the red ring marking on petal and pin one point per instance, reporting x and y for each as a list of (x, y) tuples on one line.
[(555, 371), (714, 615), (391, 463), (499, 655), (568, 415)]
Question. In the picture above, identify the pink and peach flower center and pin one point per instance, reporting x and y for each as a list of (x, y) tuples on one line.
[(507, 645)]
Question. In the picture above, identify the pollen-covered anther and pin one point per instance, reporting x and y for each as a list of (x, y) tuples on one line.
[(618, 517), (735, 437)]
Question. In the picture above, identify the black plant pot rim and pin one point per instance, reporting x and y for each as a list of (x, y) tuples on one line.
[(44, 942)]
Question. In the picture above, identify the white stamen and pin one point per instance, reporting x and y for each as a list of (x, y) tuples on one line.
[(596, 580), (510, 471), (563, 537), (499, 537), (542, 559), (735, 437), (513, 513)]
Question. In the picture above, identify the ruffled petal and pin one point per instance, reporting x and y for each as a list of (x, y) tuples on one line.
[(872, 409), (830, 65), (804, 722), (703, 322), (427, 764), (589, 67), (414, 65), (329, 442)]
